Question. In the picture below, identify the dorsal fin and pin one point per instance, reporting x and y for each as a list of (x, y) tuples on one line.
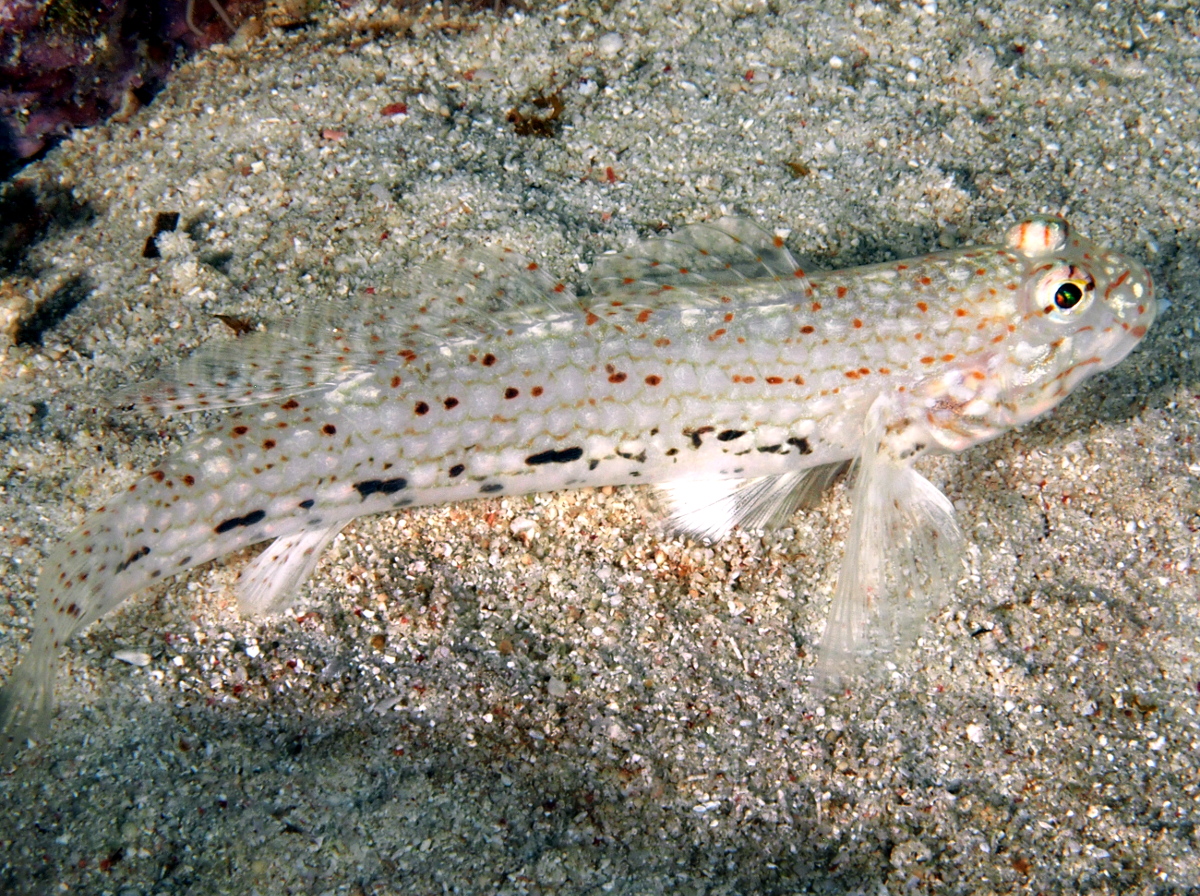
[(469, 295), (689, 263)]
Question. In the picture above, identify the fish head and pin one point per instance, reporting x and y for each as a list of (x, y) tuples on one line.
[(1080, 310)]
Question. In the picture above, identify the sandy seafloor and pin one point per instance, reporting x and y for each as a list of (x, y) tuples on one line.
[(549, 695)]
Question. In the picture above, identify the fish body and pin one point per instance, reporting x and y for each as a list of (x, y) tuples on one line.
[(708, 363)]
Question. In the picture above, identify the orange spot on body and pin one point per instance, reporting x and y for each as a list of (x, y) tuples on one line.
[(653, 380), (716, 334)]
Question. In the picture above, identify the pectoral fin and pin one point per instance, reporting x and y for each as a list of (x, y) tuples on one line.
[(902, 556), (708, 509)]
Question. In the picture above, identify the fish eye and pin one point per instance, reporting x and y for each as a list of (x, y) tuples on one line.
[(1068, 295), (1064, 292)]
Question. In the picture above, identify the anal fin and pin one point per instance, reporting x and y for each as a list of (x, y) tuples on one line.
[(268, 585)]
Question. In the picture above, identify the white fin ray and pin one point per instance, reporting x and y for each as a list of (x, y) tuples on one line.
[(267, 586), (902, 559), (708, 509), (471, 295), (688, 263)]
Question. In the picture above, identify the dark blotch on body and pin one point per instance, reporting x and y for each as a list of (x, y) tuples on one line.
[(249, 519), (132, 559), (555, 457), (369, 487)]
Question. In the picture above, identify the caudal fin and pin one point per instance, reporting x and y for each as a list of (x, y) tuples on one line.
[(27, 699)]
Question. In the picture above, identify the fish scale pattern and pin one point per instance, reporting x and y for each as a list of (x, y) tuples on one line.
[(709, 363)]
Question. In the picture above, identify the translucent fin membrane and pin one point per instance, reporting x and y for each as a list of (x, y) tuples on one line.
[(708, 510), (687, 264), (902, 559)]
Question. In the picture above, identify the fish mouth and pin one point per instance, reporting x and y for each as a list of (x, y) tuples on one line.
[(1129, 298)]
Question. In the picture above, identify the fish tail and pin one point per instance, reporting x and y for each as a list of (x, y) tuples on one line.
[(85, 577), (27, 699)]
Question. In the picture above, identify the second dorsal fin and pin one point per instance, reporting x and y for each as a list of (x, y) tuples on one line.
[(466, 296), (691, 261)]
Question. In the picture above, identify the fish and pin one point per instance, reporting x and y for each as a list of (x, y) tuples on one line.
[(707, 363)]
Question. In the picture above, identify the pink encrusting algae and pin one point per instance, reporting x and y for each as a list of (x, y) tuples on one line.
[(707, 363)]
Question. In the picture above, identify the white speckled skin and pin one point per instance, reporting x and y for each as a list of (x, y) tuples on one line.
[(708, 356)]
